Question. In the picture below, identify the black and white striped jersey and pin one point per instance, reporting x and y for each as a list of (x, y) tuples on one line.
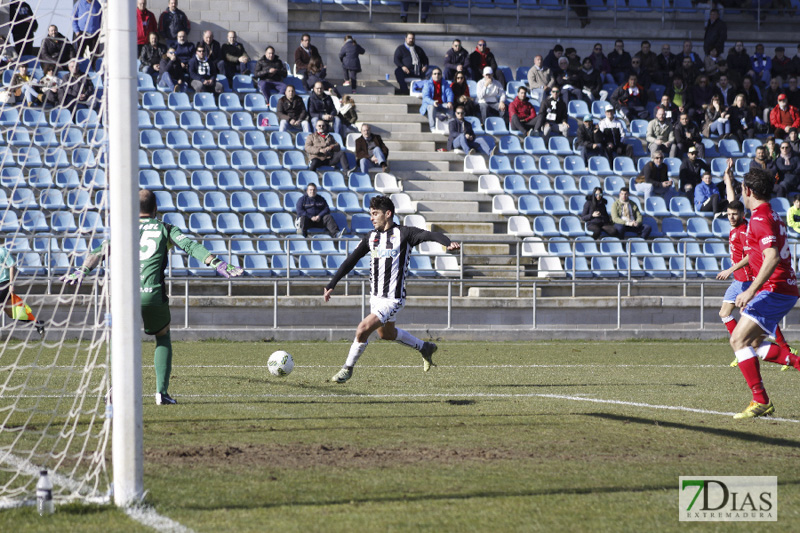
[(389, 252)]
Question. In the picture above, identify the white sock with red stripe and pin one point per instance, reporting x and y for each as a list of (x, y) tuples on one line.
[(404, 337)]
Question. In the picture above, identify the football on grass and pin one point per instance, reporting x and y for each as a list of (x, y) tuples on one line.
[(280, 363)]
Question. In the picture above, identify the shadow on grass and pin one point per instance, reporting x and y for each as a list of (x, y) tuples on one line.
[(729, 433)]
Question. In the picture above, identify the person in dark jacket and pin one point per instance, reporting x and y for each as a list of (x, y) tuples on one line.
[(788, 164), (763, 162), (590, 83), (687, 135), (741, 119), (351, 64), (595, 215), (23, 26), (630, 99), (203, 73), (184, 49), (461, 136), (590, 139), (172, 21), (213, 49), (150, 56), (316, 72), (481, 58), (716, 33), (322, 108), (234, 58), (456, 60), (323, 149), (371, 151), (171, 74), (656, 175), (691, 172), (411, 62), (303, 55), (620, 61), (291, 111), (552, 115), (270, 72), (738, 62), (667, 66), (313, 212), (77, 92), (56, 49)]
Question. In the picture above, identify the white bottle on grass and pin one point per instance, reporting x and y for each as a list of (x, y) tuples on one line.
[(44, 494)]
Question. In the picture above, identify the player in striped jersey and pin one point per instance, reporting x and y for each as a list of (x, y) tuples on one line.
[(389, 247)]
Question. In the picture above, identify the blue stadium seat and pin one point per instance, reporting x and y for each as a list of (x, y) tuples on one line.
[(52, 200), (215, 202), (528, 204), (360, 182), (522, 74), (477, 127), (242, 160), (690, 247), (656, 267), (284, 266), (255, 102), (23, 198), (203, 140), (559, 247), (730, 148), (267, 121), (175, 180), (673, 227), (190, 120), (577, 267), (63, 222), (682, 268), (18, 137), (749, 147), (257, 265), (656, 206), (281, 180), (282, 223), (509, 145), (559, 145), (673, 166), (555, 205), (612, 247), (165, 120), (67, 178), (293, 160), (229, 102), (549, 164), (290, 201), (639, 128), (360, 223), (576, 203), (577, 109), (680, 206), (420, 266), (587, 184), (228, 224), (599, 166), (151, 139), (525, 164), (11, 177), (164, 201), (545, 226), (741, 166), (255, 180), (281, 140), (179, 102), (348, 202), (177, 220), (515, 184), (204, 102), (306, 177), (217, 120), (333, 181), (780, 205), (647, 220), (83, 157), (153, 101), (632, 267), (571, 226), (228, 180), (624, 166), (144, 161), (188, 202), (145, 82), (500, 164), (179, 139), (94, 178), (34, 118), (540, 184), (201, 223), (40, 178), (203, 180), (32, 221), (639, 247), (268, 160), (256, 224), (604, 267), (495, 126), (535, 146), (230, 140), (45, 138), (269, 202), (150, 180), (29, 157), (58, 118), (190, 160), (255, 140), (718, 166), (697, 227), (565, 185), (53, 158), (707, 267)]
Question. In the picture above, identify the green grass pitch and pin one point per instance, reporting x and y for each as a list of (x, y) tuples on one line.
[(529, 436)]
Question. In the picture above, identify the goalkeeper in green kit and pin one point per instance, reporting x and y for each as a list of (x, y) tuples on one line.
[(155, 240)]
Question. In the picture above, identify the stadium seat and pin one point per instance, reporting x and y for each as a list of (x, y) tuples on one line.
[(520, 226), (680, 206), (577, 109), (216, 120), (575, 204), (151, 139), (83, 157), (565, 185), (229, 102), (495, 126), (153, 101), (34, 118), (189, 120), (348, 202), (307, 177), (67, 178), (228, 224), (63, 222), (256, 223), (629, 268), (598, 165), (488, 184), (514, 184), (294, 160), (697, 227), (268, 160), (559, 145), (281, 140), (540, 184), (269, 202), (11, 178), (524, 164), (571, 226), (503, 204), (509, 145), (255, 140), (682, 268), (535, 146), (475, 164), (529, 204), (574, 165), (281, 180), (53, 158), (21, 137), (228, 180), (715, 248), (741, 166), (243, 83), (179, 101), (639, 128), (282, 223), (188, 202), (333, 181), (175, 180), (242, 121), (729, 148), (242, 160), (230, 140), (165, 120), (150, 180), (204, 102), (707, 267), (255, 180), (604, 267), (500, 164), (177, 220), (577, 267), (612, 185), (673, 227), (718, 166), (403, 203), (780, 205), (40, 178), (202, 140), (656, 267), (267, 121), (624, 166), (689, 247), (360, 182), (32, 221), (545, 226), (655, 206), (549, 164), (203, 180), (586, 246), (749, 147), (290, 201), (587, 184), (215, 202), (22, 199)]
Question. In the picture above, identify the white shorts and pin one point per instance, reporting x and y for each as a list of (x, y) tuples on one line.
[(385, 309)]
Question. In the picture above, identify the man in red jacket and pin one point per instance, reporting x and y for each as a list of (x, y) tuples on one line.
[(784, 118), (521, 113), (146, 24)]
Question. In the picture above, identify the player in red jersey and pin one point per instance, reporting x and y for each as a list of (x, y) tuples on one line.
[(771, 295), (742, 274)]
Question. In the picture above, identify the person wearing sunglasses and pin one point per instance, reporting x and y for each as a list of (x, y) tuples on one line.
[(462, 137), (456, 60), (657, 178), (437, 99), (481, 58)]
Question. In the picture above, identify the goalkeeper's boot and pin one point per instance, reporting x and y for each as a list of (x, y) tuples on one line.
[(787, 366), (756, 409), (427, 350), (39, 325), (734, 363), (342, 375), (164, 399)]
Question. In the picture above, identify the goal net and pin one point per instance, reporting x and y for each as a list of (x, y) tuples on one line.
[(53, 209)]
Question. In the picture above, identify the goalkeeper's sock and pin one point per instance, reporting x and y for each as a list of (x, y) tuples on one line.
[(404, 337), (356, 349), (163, 362), (730, 323), (780, 340), (773, 353), (748, 364)]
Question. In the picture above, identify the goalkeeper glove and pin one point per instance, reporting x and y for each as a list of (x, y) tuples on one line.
[(75, 277), (225, 270)]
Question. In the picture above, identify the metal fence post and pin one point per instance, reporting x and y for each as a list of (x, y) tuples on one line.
[(619, 305), (702, 306), (449, 303), (275, 304), (534, 306), (186, 304)]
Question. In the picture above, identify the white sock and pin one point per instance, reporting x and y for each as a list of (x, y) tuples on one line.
[(356, 349), (762, 350), (404, 337), (727, 319), (744, 354)]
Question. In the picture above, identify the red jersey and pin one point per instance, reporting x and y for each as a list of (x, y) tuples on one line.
[(767, 230), (738, 247)]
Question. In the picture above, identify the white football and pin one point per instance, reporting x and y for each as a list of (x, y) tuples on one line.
[(280, 363)]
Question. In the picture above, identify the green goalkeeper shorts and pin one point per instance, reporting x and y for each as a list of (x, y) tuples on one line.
[(155, 317)]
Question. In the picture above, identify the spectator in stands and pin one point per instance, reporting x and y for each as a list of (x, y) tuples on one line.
[(568, 80), (521, 113), (741, 119), (580, 8), (783, 118), (203, 73), (184, 49), (302, 57), (461, 136), (8, 54), (751, 95), (630, 100), (781, 65), (591, 85), (590, 139), (600, 63), (595, 215), (313, 212), (641, 74), (234, 58), (551, 61), (761, 65), (411, 62), (552, 115), (627, 218), (55, 49), (788, 164), (351, 64), (793, 215), (613, 131), (691, 172), (792, 92), (738, 62), (726, 91), (711, 68), (706, 196), (796, 61), (620, 61), (87, 16), (437, 99), (540, 79), (763, 162), (370, 150), (462, 97), (316, 72), (172, 21), (77, 91), (150, 56), (270, 72), (21, 85), (291, 111), (213, 49), (717, 119), (794, 141), (416, 6), (322, 109), (770, 100), (145, 24), (772, 147), (481, 58), (680, 96), (687, 135), (671, 112), (456, 59), (687, 70), (648, 59), (656, 176), (687, 52), (716, 33), (667, 66), (348, 114), (491, 96), (702, 94), (171, 72), (48, 85), (323, 149), (23, 26), (660, 134)]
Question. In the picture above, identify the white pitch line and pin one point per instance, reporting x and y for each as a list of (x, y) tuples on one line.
[(147, 516), (466, 366)]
